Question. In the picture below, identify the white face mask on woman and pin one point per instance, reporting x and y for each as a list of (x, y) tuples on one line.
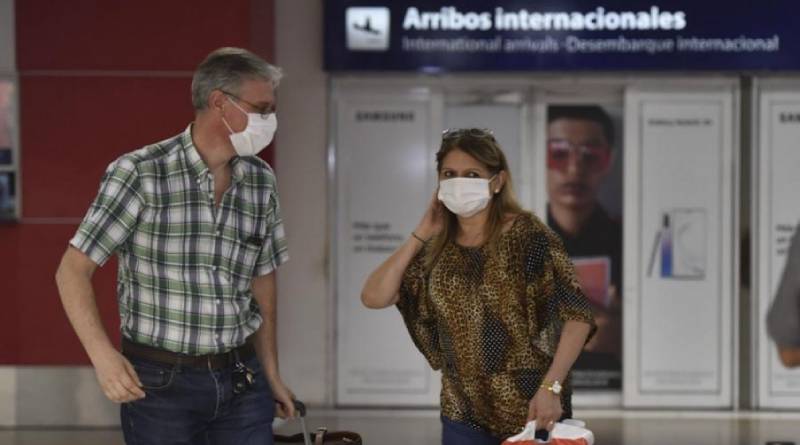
[(465, 196), (256, 136)]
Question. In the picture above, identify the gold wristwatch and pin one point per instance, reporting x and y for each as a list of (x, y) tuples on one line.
[(554, 387)]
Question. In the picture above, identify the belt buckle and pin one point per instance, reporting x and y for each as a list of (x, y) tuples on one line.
[(217, 361)]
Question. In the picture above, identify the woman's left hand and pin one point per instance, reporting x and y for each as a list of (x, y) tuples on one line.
[(545, 408)]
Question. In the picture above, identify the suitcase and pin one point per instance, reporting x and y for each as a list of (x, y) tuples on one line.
[(321, 436)]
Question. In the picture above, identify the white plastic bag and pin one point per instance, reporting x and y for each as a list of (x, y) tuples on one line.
[(569, 432)]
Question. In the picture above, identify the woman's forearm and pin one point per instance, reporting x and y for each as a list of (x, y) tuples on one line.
[(381, 288), (573, 338)]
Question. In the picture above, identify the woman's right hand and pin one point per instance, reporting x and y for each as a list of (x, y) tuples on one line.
[(383, 285), (433, 220)]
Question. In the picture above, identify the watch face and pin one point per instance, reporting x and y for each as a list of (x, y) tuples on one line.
[(556, 387)]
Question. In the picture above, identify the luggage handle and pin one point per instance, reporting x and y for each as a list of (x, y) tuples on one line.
[(319, 436), (300, 408)]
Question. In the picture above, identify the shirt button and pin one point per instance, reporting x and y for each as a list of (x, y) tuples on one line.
[(219, 300), (214, 268)]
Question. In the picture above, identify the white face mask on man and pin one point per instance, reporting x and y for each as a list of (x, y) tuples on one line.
[(256, 136), (465, 196)]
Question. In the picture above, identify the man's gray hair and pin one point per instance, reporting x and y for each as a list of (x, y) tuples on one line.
[(225, 69)]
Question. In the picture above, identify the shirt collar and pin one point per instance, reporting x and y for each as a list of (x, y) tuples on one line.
[(198, 167), (195, 163), (238, 166)]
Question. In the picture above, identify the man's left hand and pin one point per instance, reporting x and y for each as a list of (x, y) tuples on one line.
[(284, 399)]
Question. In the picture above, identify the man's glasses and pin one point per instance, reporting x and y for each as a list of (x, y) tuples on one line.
[(265, 112), (594, 157), (451, 133)]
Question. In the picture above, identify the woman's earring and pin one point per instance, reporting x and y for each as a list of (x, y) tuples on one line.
[(497, 190)]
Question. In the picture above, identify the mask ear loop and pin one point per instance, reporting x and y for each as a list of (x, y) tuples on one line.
[(227, 125), (497, 190), (225, 121)]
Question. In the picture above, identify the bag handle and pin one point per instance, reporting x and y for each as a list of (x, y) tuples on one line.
[(531, 433)]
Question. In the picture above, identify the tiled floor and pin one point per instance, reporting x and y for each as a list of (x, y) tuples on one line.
[(386, 427)]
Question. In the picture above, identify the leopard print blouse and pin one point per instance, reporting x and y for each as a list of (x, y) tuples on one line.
[(490, 319)]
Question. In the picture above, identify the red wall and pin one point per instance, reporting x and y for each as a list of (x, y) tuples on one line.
[(97, 79)]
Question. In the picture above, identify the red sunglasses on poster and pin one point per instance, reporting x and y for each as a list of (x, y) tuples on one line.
[(594, 157)]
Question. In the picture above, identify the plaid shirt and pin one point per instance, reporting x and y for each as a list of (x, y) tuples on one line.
[(185, 265)]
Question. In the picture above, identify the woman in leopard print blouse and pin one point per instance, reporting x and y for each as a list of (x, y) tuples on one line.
[(489, 296)]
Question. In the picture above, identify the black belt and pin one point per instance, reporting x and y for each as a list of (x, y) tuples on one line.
[(214, 361)]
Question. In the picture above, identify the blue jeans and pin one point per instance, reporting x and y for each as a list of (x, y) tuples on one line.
[(457, 433), (186, 405)]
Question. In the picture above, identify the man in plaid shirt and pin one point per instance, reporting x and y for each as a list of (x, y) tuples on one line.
[(196, 224)]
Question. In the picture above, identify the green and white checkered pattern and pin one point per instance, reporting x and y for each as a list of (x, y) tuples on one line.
[(185, 265)]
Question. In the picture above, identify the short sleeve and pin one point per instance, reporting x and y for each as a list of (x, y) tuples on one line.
[(113, 215), (783, 319), (274, 251), (554, 290), (418, 313)]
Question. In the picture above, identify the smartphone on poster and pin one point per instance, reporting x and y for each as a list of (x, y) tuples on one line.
[(681, 239), (594, 276)]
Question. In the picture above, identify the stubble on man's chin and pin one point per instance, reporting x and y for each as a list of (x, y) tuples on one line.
[(578, 204), (575, 197), (576, 188)]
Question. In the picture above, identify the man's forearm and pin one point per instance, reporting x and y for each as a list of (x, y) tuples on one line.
[(77, 296), (266, 344)]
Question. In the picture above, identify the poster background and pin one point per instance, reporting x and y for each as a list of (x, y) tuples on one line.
[(8, 152), (775, 216), (681, 156), (602, 370), (384, 180)]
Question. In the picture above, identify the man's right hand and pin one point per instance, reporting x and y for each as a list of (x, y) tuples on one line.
[(116, 376)]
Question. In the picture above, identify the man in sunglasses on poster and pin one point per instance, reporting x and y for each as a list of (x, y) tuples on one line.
[(580, 142)]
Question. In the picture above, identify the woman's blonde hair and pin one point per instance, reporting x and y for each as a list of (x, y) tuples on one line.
[(483, 147)]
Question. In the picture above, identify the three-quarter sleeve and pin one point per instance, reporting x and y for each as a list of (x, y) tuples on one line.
[(418, 313), (783, 319), (572, 303), (553, 290)]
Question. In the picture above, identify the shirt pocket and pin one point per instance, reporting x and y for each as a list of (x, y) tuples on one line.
[(244, 256), (249, 223)]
